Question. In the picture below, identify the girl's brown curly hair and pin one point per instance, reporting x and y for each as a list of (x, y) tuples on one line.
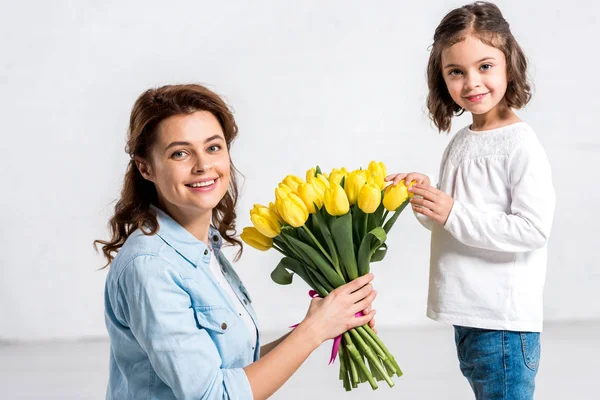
[(485, 21)]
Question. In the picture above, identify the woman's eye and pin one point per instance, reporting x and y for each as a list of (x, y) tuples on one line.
[(178, 154), (455, 72), (214, 148), (486, 67)]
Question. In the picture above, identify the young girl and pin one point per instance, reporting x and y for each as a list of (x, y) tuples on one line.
[(491, 213), (180, 321)]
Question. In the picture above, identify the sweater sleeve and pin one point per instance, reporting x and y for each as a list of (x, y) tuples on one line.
[(527, 226)]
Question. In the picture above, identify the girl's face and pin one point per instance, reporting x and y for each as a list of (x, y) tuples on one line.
[(189, 164), (475, 75)]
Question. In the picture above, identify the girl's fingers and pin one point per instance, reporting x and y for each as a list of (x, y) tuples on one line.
[(425, 211), (420, 191), (418, 201), (413, 177), (392, 177)]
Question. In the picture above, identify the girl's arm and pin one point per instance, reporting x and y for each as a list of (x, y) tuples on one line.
[(525, 227)]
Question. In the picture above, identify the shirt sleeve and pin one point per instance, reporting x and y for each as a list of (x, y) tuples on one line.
[(159, 313), (527, 226)]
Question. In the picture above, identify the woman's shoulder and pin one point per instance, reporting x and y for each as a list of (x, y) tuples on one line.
[(140, 249)]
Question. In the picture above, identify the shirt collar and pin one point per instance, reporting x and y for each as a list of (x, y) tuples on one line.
[(182, 241)]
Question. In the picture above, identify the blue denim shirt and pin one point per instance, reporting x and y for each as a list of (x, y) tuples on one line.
[(173, 333)]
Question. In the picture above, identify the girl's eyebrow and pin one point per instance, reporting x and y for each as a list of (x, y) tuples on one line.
[(476, 62)]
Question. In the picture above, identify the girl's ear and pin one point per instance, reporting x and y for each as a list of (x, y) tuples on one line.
[(144, 167)]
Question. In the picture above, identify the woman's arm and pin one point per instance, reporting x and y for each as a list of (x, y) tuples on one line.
[(264, 350), (326, 319)]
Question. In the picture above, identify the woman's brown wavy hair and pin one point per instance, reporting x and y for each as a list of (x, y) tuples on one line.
[(485, 21), (132, 210)]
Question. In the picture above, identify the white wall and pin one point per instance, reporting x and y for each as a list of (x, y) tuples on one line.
[(334, 83)]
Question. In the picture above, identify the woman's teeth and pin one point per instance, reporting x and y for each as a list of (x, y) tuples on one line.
[(201, 184)]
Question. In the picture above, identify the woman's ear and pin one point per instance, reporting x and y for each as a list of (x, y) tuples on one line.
[(144, 167)]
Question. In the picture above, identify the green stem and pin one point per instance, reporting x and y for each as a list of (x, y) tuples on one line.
[(358, 360), (365, 335), (372, 357), (344, 369), (391, 358)]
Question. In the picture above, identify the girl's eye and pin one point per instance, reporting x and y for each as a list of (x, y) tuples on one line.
[(485, 67), (214, 148), (455, 72)]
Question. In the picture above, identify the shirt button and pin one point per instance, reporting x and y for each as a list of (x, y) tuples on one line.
[(206, 252), (223, 326), (215, 238), (245, 302)]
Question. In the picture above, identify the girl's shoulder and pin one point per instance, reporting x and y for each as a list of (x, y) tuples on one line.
[(467, 144)]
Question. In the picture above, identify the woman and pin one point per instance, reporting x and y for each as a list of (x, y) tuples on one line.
[(180, 321)]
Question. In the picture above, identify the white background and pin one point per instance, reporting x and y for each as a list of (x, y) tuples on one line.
[(337, 83)]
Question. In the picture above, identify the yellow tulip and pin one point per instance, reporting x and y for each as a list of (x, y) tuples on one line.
[(265, 221), (378, 172), (310, 197), (273, 209), (252, 237), (292, 181), (394, 196), (320, 183), (355, 180), (293, 210), (310, 174), (282, 191), (336, 175), (336, 201), (369, 198)]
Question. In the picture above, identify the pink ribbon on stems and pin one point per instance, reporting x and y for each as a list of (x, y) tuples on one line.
[(338, 340)]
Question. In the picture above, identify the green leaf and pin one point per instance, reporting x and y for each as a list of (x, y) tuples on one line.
[(298, 268), (321, 226), (341, 230), (322, 264), (390, 222), (318, 171), (367, 249), (280, 275), (379, 253)]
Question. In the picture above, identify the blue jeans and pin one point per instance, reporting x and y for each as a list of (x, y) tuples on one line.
[(498, 364)]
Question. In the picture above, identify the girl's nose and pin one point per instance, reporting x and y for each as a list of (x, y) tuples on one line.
[(471, 82)]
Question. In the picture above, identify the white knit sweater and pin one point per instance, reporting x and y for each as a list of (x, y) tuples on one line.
[(488, 263)]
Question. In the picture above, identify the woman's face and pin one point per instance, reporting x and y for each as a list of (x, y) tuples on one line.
[(189, 164)]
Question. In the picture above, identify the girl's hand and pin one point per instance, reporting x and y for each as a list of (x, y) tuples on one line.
[(335, 314), (432, 202), (420, 179)]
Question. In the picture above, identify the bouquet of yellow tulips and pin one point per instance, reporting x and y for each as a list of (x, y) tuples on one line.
[(329, 229)]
